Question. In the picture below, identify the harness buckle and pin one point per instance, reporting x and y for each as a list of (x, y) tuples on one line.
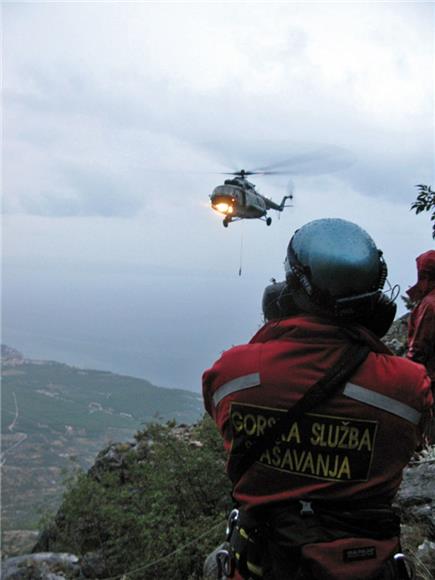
[(306, 509)]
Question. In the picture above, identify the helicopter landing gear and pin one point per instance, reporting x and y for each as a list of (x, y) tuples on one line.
[(268, 221)]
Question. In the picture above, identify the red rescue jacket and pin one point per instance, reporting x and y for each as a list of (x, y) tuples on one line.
[(354, 446), (421, 334)]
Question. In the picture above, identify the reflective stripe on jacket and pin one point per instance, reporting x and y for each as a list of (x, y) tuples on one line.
[(354, 446)]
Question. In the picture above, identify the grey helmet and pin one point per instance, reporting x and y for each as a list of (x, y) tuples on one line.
[(335, 269), (277, 301)]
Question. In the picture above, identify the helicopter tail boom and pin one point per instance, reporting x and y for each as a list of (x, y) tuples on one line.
[(279, 207)]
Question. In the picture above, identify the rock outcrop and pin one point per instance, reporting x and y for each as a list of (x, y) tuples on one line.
[(43, 566), (416, 504), (10, 357), (397, 336)]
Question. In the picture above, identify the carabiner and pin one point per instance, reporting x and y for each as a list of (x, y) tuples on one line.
[(225, 563), (404, 566), (232, 519)]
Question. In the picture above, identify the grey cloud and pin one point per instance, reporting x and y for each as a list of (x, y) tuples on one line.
[(392, 174), (102, 193), (245, 127), (80, 191)]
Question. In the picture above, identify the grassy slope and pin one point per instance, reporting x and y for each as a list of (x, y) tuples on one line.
[(64, 413)]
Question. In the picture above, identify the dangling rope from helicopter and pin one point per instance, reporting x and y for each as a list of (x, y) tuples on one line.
[(241, 251)]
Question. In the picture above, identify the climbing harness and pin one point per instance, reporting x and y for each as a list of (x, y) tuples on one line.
[(225, 562), (244, 550)]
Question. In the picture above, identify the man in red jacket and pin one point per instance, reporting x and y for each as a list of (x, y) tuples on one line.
[(421, 334), (316, 503)]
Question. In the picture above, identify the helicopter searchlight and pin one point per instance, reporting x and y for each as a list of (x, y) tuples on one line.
[(224, 208), (223, 204)]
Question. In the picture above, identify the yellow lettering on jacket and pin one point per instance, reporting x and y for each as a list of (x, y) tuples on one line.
[(365, 441), (293, 434), (322, 465), (340, 436), (251, 424), (321, 446)]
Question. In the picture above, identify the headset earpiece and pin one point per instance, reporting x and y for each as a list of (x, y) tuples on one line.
[(381, 316)]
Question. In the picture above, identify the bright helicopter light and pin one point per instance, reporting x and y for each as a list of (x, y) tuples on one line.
[(224, 207)]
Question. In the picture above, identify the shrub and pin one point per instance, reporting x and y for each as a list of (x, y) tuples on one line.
[(162, 511), (425, 202)]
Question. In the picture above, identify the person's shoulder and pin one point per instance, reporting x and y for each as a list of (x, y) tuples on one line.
[(239, 363), (238, 356), (405, 368), (392, 372), (399, 377), (397, 380), (239, 352)]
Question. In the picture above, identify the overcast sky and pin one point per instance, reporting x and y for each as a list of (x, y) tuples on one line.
[(117, 115)]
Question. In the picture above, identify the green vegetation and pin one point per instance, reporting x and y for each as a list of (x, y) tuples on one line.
[(158, 513), (425, 202), (52, 412), (57, 395)]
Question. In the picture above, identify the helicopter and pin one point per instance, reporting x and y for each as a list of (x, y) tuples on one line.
[(237, 199)]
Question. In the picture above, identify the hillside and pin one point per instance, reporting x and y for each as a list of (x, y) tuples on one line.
[(163, 493), (55, 416), (156, 506)]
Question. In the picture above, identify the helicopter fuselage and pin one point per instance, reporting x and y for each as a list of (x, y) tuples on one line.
[(238, 200)]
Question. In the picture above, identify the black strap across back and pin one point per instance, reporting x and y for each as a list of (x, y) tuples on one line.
[(323, 389)]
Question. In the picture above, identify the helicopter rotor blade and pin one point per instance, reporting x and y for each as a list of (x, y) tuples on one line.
[(289, 163), (241, 173), (297, 158), (326, 159), (288, 172)]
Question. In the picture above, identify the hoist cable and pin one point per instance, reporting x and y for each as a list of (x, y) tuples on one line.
[(241, 251)]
